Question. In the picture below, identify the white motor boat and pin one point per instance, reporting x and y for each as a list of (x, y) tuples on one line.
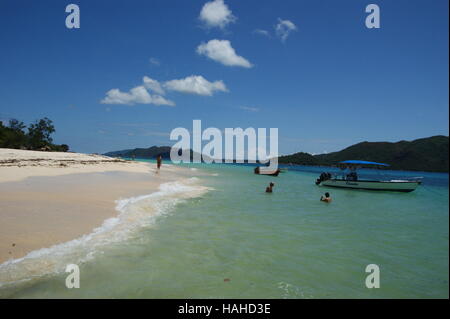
[(352, 181)]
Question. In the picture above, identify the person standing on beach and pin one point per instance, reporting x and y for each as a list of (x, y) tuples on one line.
[(158, 162)]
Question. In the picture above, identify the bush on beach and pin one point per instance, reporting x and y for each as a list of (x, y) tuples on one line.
[(38, 137)]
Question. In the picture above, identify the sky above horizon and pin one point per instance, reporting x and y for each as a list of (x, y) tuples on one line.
[(135, 70)]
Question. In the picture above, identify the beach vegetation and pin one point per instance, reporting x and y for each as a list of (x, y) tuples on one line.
[(37, 136)]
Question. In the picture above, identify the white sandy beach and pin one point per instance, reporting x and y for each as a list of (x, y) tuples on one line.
[(17, 165), (47, 198)]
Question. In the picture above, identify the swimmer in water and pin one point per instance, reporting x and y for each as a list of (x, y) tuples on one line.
[(269, 188), (326, 198)]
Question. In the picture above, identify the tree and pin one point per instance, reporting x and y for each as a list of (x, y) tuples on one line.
[(16, 126), (37, 138), (39, 133), (12, 136)]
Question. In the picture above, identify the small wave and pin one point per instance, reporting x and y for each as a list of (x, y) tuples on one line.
[(134, 214), (290, 291)]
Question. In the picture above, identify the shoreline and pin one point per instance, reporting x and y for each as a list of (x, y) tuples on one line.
[(44, 204)]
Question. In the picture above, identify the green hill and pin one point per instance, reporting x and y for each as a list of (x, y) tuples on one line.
[(300, 158), (151, 152), (425, 154)]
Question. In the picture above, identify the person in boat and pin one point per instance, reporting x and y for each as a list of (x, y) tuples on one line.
[(352, 176), (158, 162), (270, 187), (326, 198)]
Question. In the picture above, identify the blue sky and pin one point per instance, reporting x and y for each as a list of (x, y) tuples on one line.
[(327, 82)]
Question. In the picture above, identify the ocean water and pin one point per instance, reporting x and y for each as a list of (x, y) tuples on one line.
[(222, 236)]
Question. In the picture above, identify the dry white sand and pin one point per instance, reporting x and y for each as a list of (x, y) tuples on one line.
[(48, 198), (17, 165)]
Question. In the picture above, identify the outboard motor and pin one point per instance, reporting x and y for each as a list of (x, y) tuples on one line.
[(323, 177)]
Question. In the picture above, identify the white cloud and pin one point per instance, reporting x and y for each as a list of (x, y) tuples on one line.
[(216, 14), (195, 84), (249, 108), (284, 28), (159, 100), (154, 61), (221, 51), (262, 32), (137, 95), (153, 85)]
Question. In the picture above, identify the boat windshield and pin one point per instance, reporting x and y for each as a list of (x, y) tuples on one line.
[(347, 174)]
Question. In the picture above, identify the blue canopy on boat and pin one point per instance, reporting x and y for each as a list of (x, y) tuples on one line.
[(362, 163)]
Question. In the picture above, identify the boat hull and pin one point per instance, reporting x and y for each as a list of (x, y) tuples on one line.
[(396, 186), (266, 171)]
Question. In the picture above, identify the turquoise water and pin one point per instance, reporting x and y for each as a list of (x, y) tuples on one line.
[(236, 241)]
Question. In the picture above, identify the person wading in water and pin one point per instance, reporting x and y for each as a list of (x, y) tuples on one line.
[(269, 188), (326, 198)]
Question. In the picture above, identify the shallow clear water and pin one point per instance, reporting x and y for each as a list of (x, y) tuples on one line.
[(286, 244)]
